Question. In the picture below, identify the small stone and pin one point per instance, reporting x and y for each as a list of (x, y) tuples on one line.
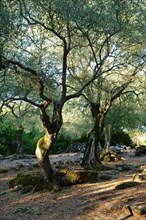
[(17, 188), (138, 178), (138, 210), (26, 189)]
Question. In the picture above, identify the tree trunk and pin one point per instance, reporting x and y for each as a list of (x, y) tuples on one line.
[(42, 153), (45, 144), (91, 155), (107, 133), (20, 150)]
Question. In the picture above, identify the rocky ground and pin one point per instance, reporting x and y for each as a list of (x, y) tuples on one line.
[(104, 200)]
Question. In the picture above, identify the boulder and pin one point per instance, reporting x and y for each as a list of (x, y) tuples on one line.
[(28, 181), (109, 156), (66, 176), (23, 181)]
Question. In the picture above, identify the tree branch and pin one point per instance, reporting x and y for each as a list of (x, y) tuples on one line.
[(34, 73), (36, 21)]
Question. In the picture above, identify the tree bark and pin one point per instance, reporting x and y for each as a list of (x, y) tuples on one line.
[(45, 144), (20, 141), (42, 153), (107, 133), (91, 155)]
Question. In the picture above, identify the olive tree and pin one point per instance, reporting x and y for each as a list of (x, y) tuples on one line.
[(42, 54), (115, 54), (35, 67)]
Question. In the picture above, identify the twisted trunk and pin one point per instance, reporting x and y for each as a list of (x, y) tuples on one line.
[(42, 153), (45, 144), (91, 156)]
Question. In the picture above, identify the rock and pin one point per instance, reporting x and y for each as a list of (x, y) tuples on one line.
[(143, 169), (17, 188), (26, 189), (125, 185), (127, 211), (66, 176), (109, 156), (138, 210), (26, 179), (138, 178)]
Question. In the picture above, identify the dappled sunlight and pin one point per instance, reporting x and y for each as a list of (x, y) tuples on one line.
[(76, 202), (83, 201)]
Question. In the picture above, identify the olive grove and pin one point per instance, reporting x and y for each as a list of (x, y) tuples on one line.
[(53, 51)]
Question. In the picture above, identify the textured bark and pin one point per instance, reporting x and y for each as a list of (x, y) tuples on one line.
[(45, 144), (91, 156), (42, 153), (107, 133), (20, 141)]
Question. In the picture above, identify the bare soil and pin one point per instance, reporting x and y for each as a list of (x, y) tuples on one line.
[(78, 202)]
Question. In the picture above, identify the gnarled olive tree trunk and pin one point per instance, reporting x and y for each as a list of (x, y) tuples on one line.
[(45, 144), (92, 153), (42, 153), (91, 156)]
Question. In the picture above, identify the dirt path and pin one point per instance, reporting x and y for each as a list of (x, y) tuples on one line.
[(78, 202)]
